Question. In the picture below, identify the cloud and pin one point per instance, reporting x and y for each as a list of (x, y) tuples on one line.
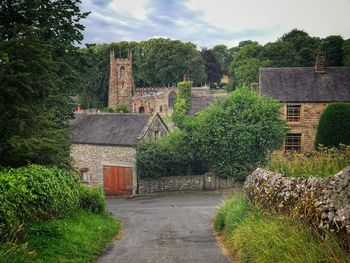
[(207, 22)]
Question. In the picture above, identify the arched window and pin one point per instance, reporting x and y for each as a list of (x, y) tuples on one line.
[(171, 99), (161, 108), (141, 109), (122, 72)]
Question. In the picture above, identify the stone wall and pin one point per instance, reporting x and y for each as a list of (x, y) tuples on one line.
[(180, 183), (310, 116), (92, 158), (324, 202)]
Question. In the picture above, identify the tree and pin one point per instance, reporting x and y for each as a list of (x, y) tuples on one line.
[(223, 56), (34, 103), (235, 135), (182, 104), (212, 67), (281, 54), (346, 50), (334, 125), (333, 47)]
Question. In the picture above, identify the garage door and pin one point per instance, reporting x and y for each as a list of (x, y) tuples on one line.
[(117, 180)]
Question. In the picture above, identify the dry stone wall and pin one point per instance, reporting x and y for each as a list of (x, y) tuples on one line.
[(324, 202)]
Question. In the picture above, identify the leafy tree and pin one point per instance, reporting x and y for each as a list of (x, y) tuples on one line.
[(281, 54), (212, 67), (182, 104), (120, 107), (334, 125), (34, 80), (235, 135), (333, 47), (223, 56), (346, 50)]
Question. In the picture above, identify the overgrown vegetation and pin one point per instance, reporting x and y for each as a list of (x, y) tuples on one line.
[(81, 237), (232, 136), (182, 104), (334, 125), (322, 163), (252, 236)]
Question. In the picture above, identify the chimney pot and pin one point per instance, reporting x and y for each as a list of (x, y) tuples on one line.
[(320, 63)]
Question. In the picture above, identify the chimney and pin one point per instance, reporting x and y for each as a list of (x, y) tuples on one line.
[(254, 86), (185, 78), (320, 63), (78, 109)]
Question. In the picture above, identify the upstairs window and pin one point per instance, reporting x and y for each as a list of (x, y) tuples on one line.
[(293, 142), (84, 175), (293, 113)]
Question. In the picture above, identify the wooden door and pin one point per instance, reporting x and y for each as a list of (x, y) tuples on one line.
[(117, 180)]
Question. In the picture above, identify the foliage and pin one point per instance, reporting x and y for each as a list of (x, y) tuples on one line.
[(235, 134), (252, 236), (223, 56), (182, 104), (281, 54), (77, 238), (120, 107), (170, 155), (212, 67), (321, 163), (92, 199), (333, 47), (36, 79), (35, 193), (334, 125), (346, 50)]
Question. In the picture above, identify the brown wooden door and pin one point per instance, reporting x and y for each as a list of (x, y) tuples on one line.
[(117, 180)]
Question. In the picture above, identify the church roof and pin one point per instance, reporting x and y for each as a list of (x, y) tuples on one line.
[(304, 84), (115, 129)]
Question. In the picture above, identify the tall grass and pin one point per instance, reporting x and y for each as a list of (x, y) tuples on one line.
[(321, 163), (253, 237)]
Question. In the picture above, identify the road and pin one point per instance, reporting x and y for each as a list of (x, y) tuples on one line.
[(166, 228)]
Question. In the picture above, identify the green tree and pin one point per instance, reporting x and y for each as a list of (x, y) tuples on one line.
[(212, 67), (333, 47), (224, 56), (235, 135), (182, 104), (346, 50), (34, 80), (334, 125), (281, 54)]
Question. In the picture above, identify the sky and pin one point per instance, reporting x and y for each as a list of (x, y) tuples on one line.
[(210, 22)]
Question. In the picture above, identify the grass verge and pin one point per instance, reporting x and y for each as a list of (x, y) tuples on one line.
[(252, 236), (80, 237), (322, 163)]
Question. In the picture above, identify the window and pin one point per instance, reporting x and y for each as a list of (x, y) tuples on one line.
[(293, 113), (84, 175), (171, 99), (160, 108), (156, 135), (141, 109), (293, 142), (122, 72)]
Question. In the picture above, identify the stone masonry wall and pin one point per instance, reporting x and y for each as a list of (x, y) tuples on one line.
[(310, 116), (180, 183), (325, 202), (93, 157)]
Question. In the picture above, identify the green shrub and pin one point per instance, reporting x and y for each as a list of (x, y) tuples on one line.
[(252, 236), (120, 107), (322, 163), (35, 193), (236, 134), (92, 199), (334, 125), (182, 104), (168, 156)]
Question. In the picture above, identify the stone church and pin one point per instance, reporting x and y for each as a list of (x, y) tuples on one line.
[(161, 100)]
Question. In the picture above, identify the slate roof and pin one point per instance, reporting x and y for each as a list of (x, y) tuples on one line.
[(303, 84), (118, 129), (198, 103)]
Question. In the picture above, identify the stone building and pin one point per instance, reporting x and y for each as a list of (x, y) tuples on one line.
[(305, 92), (104, 147)]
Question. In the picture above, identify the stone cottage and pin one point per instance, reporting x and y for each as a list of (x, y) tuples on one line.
[(104, 148), (305, 92)]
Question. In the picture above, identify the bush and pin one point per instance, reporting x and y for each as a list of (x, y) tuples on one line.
[(252, 236), (120, 107), (322, 163), (92, 199), (168, 156), (235, 135), (35, 193), (334, 125)]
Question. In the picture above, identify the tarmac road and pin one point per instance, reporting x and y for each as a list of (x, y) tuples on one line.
[(166, 228)]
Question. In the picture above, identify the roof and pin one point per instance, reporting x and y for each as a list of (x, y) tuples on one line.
[(122, 129), (303, 84), (198, 103)]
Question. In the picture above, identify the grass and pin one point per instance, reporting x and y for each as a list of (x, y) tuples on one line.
[(253, 236), (78, 238), (322, 163)]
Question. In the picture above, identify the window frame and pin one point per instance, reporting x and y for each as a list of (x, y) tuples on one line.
[(293, 146), (293, 118), (84, 175)]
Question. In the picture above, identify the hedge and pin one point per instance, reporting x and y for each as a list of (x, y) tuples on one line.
[(334, 125)]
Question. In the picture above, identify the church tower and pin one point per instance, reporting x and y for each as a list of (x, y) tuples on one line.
[(121, 81)]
